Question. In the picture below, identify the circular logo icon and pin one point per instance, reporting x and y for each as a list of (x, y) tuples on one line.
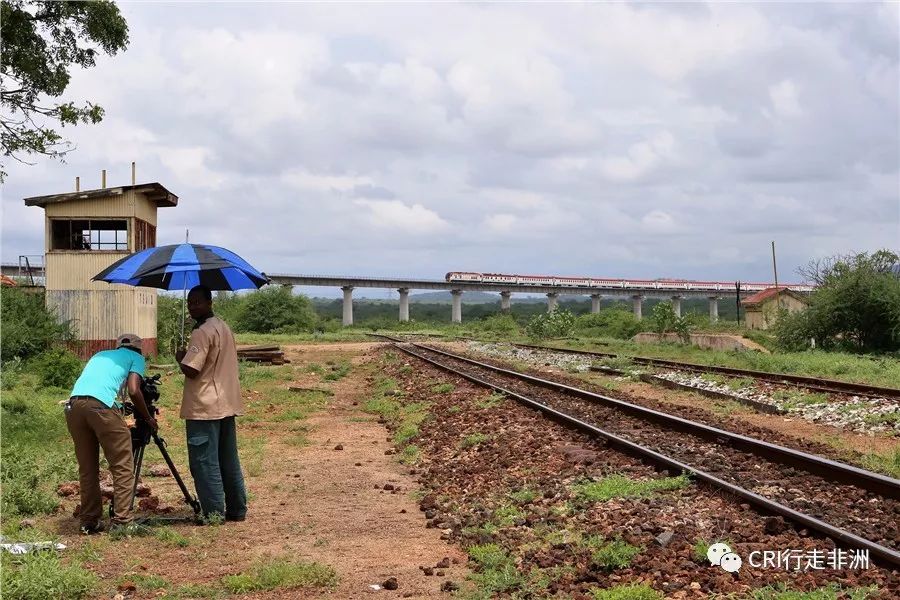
[(731, 562), (716, 552)]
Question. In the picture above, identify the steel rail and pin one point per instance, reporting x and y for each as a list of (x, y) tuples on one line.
[(824, 467), (812, 383), (887, 554)]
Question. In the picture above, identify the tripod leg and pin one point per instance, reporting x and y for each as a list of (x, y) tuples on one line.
[(161, 444), (138, 460)]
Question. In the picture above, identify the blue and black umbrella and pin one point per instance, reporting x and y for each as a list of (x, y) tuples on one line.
[(182, 266)]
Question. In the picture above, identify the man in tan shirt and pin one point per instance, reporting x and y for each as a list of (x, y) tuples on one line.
[(212, 399)]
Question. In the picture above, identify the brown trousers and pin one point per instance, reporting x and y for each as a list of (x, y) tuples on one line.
[(93, 425)]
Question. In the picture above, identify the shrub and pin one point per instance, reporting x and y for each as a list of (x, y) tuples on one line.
[(556, 323), (502, 324), (57, 368), (168, 324), (41, 575), (665, 320), (610, 322), (275, 310), (855, 307), (28, 326)]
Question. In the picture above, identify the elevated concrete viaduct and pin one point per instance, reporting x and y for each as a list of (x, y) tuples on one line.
[(458, 288)]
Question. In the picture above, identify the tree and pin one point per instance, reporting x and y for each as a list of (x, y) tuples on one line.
[(855, 306), (41, 41), (665, 320), (275, 310), (554, 324)]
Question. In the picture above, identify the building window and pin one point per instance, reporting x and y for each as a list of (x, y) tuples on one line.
[(89, 234), (144, 235)]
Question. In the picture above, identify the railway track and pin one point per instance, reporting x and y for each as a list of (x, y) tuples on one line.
[(831, 386), (854, 507)]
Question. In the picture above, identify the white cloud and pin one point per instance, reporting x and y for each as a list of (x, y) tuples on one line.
[(412, 219), (785, 100), (640, 159)]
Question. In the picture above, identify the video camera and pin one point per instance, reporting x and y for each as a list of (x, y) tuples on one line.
[(141, 433)]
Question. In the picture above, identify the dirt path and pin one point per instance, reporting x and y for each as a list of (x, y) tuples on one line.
[(347, 519)]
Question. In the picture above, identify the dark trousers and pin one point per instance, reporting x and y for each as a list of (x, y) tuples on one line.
[(92, 426), (215, 467)]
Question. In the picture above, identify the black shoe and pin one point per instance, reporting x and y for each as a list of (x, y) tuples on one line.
[(92, 528), (235, 517)]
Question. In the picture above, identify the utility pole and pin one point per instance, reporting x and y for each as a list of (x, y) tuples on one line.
[(737, 287), (775, 270)]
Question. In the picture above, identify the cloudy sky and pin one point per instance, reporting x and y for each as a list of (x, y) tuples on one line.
[(652, 140)]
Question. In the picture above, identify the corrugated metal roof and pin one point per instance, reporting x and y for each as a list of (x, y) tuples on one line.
[(154, 192), (760, 297)]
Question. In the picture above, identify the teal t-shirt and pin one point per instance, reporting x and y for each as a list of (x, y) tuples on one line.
[(105, 373)]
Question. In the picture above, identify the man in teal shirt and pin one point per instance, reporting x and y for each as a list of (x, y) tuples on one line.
[(95, 420)]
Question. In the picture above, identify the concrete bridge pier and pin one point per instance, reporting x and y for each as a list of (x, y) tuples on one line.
[(713, 309), (404, 304), (348, 305), (636, 306), (504, 301), (552, 300), (456, 312), (595, 303), (676, 305)]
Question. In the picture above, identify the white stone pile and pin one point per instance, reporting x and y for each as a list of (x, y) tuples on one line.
[(560, 360)]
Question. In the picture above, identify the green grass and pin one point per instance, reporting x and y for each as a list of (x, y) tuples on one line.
[(337, 371), (473, 439), (873, 369), (167, 535), (252, 450), (523, 496), (410, 455), (830, 592), (497, 572), (633, 591), (619, 486), (491, 401), (42, 575), (280, 574), (889, 465), (890, 418), (443, 388), (699, 550), (611, 554), (508, 515)]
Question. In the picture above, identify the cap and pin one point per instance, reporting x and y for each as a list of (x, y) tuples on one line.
[(131, 340)]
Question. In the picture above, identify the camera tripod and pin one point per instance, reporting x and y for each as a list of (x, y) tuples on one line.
[(141, 435), (138, 452)]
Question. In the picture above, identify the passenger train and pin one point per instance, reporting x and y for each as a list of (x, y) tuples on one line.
[(595, 282)]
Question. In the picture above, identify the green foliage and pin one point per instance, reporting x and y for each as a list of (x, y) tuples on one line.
[(42, 40), (553, 324), (855, 307), (443, 388), (523, 496), (169, 333), (337, 371), (609, 322), (619, 486), (473, 440), (503, 325), (665, 320), (699, 550), (57, 367), (493, 400), (281, 574), (612, 554), (42, 575), (635, 591), (29, 328), (275, 310), (167, 535), (508, 515), (497, 570), (37, 449), (780, 591)]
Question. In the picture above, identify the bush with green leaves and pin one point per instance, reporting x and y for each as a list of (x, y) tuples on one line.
[(502, 324), (169, 334), (57, 367), (609, 322), (554, 324), (275, 310), (855, 307), (665, 320), (28, 326)]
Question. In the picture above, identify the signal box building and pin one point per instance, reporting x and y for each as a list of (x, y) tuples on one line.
[(762, 308), (85, 232)]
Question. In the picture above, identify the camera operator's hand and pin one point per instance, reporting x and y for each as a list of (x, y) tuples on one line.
[(154, 426), (179, 354)]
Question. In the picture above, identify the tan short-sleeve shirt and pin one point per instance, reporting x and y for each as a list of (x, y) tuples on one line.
[(215, 393)]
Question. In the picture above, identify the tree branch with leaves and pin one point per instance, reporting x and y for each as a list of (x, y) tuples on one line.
[(42, 40)]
